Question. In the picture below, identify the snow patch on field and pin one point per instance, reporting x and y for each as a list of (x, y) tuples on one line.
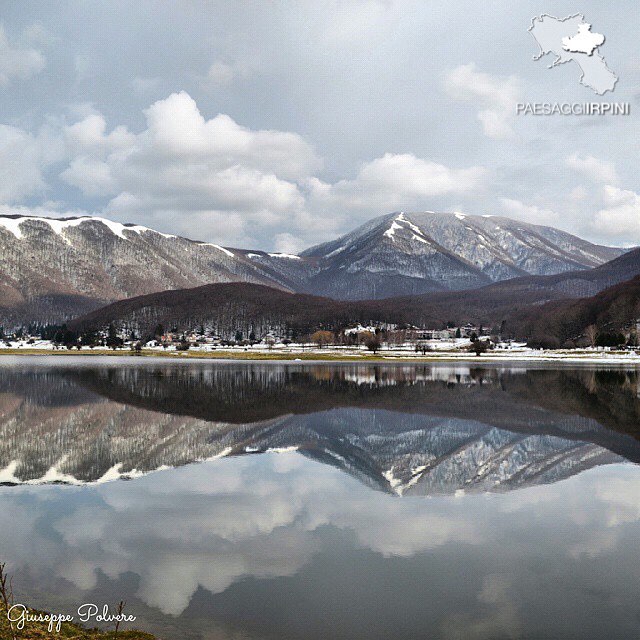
[(7, 475)]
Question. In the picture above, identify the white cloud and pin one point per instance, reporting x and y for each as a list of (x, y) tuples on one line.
[(188, 172), (17, 63), (88, 136), (397, 181), (288, 243), (215, 179), (577, 194), (220, 74), (90, 149), (93, 177), (597, 170), (529, 213), (619, 219), (23, 157), (143, 84), (496, 96)]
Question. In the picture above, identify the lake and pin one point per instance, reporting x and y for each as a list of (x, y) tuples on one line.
[(270, 500)]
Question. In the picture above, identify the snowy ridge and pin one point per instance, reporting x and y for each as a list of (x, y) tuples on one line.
[(397, 225), (411, 253), (54, 269), (58, 225), (218, 247)]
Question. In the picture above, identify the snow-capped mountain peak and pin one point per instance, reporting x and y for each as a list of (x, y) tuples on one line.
[(407, 253)]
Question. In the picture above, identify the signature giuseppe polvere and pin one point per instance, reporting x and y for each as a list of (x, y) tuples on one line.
[(20, 615)]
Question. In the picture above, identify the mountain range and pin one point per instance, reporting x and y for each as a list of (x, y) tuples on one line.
[(55, 269)]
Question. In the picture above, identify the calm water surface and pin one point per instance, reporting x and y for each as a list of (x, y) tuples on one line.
[(226, 500)]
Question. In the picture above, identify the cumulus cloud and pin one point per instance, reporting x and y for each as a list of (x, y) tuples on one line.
[(24, 158), (216, 179), (89, 136), (528, 212), (17, 63), (195, 171), (495, 95), (90, 148), (597, 170), (397, 181), (619, 219)]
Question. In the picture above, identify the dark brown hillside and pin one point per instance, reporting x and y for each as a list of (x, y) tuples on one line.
[(519, 307), (230, 307), (241, 306), (510, 300), (613, 310)]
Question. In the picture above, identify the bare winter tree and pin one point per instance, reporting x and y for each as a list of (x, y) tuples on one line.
[(6, 593), (322, 338), (591, 334), (373, 343), (121, 605)]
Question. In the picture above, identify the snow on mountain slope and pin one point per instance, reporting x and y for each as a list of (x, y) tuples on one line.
[(289, 270), (52, 269), (408, 253)]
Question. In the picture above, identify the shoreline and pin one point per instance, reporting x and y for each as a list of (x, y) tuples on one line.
[(528, 356)]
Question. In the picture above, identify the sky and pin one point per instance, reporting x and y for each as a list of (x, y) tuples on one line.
[(277, 125)]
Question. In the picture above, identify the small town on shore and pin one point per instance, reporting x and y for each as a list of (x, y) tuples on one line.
[(357, 341)]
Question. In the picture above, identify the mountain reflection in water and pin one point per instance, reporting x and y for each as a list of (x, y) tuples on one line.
[(411, 430), (294, 543)]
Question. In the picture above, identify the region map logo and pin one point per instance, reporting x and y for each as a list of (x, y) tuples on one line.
[(571, 39)]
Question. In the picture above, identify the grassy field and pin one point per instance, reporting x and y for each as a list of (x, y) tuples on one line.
[(317, 355), (225, 355), (68, 631)]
